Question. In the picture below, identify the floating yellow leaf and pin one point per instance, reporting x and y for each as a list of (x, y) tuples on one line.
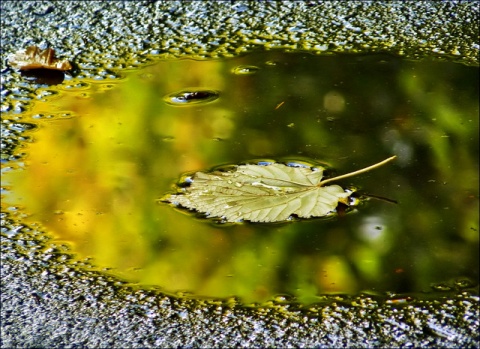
[(264, 193)]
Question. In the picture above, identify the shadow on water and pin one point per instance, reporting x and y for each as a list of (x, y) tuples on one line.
[(93, 178)]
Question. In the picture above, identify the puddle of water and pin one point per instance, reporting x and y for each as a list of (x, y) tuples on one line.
[(105, 153)]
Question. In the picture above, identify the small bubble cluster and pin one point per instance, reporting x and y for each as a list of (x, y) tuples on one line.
[(245, 70), (12, 133)]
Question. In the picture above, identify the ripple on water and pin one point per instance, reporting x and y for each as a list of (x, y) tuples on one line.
[(245, 70), (191, 96)]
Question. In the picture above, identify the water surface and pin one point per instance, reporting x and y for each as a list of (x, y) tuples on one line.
[(105, 152)]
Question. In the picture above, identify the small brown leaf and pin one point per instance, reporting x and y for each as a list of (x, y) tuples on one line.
[(34, 58)]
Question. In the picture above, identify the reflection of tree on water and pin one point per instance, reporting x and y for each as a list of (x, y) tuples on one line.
[(105, 168)]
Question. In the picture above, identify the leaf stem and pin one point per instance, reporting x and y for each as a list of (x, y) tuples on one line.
[(354, 173)]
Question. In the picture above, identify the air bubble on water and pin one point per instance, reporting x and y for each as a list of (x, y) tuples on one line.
[(264, 163), (191, 96), (245, 70), (46, 93), (282, 298), (442, 287), (271, 63), (297, 164), (463, 283)]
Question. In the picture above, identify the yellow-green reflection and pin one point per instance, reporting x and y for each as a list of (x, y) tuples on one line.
[(93, 179)]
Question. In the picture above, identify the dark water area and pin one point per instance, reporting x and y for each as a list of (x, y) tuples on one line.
[(105, 152)]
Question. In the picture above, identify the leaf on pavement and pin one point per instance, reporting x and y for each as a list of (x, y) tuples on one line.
[(34, 58)]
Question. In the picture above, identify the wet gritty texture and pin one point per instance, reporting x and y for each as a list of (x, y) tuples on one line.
[(103, 37), (49, 301)]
